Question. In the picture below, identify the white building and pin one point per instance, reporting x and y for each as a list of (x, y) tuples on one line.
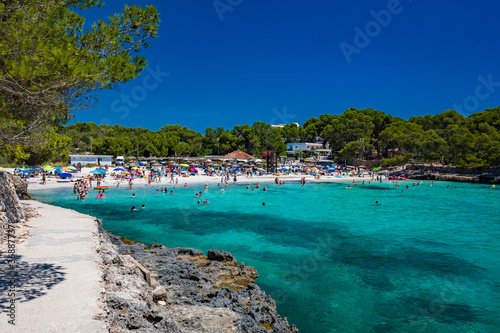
[(306, 146), (91, 159), (283, 125)]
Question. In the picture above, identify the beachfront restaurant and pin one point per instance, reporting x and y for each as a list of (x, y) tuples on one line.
[(91, 159)]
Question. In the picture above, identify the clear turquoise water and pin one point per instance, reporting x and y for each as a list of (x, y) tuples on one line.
[(424, 260)]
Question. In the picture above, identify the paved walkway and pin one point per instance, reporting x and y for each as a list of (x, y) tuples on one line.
[(58, 280)]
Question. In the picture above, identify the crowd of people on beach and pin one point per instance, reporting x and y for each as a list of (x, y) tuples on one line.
[(81, 186)]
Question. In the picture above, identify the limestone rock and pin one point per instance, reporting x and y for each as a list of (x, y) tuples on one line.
[(11, 211), (222, 256), (195, 293), (159, 294)]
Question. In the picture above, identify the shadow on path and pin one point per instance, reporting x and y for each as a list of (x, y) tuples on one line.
[(32, 280)]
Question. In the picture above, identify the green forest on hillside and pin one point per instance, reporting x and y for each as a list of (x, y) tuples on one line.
[(52, 65), (446, 138)]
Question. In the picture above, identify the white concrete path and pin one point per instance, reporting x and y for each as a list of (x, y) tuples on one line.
[(58, 275)]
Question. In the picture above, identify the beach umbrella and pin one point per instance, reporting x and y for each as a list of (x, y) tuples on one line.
[(95, 171), (47, 168), (143, 169), (2, 169), (71, 167), (135, 168), (184, 165), (65, 175), (118, 169), (376, 169), (65, 169), (126, 172), (58, 168), (101, 170), (192, 169)]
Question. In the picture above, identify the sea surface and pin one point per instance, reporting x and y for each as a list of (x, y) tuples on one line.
[(426, 259)]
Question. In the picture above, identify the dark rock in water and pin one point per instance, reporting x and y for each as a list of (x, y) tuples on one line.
[(489, 178), (485, 178), (194, 292), (222, 256)]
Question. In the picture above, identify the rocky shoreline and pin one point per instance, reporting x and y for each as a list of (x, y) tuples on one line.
[(158, 289), (481, 179)]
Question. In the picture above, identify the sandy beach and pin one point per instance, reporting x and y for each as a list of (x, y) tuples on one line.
[(35, 183)]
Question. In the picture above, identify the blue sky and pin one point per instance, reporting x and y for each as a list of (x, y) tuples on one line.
[(286, 61)]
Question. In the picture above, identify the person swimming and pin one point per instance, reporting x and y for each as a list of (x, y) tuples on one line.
[(133, 208), (264, 189), (133, 195)]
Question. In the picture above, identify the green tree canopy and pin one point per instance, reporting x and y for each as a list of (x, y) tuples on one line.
[(50, 65)]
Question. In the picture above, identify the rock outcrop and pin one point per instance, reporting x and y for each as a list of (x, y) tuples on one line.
[(484, 178), (11, 211), (446, 177), (187, 291)]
